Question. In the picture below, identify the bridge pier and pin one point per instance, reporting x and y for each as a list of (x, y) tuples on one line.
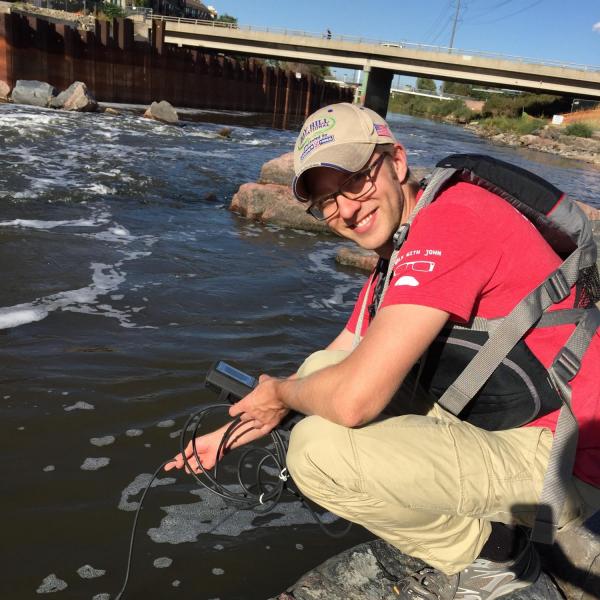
[(376, 86)]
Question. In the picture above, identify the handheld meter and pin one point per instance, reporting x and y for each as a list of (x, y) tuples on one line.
[(224, 379)]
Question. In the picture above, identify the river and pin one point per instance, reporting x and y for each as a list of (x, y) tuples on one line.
[(125, 277)]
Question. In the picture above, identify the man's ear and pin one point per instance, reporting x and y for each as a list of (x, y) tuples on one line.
[(399, 162)]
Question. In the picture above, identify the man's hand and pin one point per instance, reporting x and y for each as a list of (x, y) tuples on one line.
[(206, 447), (262, 408)]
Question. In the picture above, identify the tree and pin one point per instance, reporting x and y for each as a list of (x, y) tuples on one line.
[(456, 88), (225, 18), (427, 85)]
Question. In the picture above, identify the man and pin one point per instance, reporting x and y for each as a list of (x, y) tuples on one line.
[(433, 486)]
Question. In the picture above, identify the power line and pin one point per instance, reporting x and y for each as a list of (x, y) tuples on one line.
[(518, 12)]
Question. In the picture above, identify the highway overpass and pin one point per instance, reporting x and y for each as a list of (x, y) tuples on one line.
[(380, 60)]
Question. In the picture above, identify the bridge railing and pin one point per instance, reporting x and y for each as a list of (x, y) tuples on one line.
[(393, 45)]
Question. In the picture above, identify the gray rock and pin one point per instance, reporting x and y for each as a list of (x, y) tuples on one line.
[(51, 585), (162, 111), (272, 203), (574, 560), (33, 93), (4, 91), (77, 98), (369, 571)]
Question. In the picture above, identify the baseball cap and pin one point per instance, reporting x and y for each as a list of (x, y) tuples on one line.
[(339, 136)]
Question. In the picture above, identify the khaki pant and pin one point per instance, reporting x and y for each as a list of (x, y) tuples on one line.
[(428, 483)]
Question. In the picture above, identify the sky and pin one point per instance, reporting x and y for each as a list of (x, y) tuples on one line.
[(549, 30)]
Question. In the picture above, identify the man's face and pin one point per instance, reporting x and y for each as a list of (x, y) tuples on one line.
[(371, 219)]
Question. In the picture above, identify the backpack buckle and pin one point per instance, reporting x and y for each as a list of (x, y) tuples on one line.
[(566, 365), (557, 287), (400, 236)]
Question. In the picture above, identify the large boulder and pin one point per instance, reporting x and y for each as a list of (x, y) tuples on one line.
[(280, 170), (162, 111), (76, 97), (33, 93), (369, 572), (4, 91), (272, 203)]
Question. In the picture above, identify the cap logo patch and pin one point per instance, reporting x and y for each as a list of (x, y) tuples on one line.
[(313, 130), (320, 141), (382, 130)]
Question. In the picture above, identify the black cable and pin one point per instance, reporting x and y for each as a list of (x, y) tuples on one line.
[(135, 520), (261, 497)]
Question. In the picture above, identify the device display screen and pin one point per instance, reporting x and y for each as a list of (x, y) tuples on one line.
[(234, 373)]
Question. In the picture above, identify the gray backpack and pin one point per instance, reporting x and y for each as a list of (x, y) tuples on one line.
[(564, 226)]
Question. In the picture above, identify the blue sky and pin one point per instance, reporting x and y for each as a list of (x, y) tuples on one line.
[(538, 29)]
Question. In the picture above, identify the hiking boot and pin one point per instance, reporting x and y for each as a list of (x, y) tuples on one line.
[(482, 580)]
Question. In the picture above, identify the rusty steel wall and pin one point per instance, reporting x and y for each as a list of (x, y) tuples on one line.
[(116, 68)]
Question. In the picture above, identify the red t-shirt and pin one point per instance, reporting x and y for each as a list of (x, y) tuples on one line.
[(470, 253)]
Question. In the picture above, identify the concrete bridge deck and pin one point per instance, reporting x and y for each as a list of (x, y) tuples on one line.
[(381, 60)]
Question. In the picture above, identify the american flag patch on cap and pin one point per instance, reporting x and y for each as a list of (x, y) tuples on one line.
[(383, 130)]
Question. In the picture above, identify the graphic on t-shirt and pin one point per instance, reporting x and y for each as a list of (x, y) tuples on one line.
[(407, 280), (423, 266), (420, 266)]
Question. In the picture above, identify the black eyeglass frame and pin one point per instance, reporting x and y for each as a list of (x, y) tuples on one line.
[(368, 172)]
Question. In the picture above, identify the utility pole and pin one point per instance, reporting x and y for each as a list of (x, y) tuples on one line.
[(454, 26)]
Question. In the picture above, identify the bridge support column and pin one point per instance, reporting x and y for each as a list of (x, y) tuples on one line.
[(375, 91)]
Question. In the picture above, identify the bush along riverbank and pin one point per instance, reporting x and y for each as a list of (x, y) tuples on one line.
[(523, 120)]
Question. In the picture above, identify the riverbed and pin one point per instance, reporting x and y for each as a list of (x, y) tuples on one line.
[(125, 276)]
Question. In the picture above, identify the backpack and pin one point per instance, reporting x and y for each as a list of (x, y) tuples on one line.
[(483, 372)]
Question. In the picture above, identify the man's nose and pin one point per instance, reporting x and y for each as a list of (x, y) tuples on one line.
[(347, 207)]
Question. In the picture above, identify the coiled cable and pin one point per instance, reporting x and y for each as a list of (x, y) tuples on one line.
[(259, 496)]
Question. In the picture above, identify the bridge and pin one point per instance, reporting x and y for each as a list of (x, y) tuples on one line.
[(380, 60)]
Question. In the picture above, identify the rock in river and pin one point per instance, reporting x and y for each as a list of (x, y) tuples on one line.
[(33, 93)]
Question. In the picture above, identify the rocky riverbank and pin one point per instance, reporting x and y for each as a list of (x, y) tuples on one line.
[(550, 139)]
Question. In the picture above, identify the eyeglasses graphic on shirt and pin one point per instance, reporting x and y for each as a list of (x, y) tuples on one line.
[(422, 266)]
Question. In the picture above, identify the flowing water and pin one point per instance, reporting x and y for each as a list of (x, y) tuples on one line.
[(124, 277)]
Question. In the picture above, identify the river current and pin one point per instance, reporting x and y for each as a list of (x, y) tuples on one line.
[(124, 277)]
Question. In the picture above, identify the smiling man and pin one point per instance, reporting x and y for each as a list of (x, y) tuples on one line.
[(448, 490)]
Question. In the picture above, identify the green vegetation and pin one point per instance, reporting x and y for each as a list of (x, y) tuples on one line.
[(111, 11), (426, 85), (523, 125), (579, 130), (225, 18), (452, 110), (537, 105)]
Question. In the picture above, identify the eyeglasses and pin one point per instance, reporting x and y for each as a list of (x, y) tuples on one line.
[(357, 187)]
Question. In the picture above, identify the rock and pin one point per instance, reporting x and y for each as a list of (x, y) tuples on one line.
[(76, 98), (272, 203), (4, 91), (162, 111), (225, 132), (593, 214), (33, 93), (357, 257), (111, 111), (369, 571), (574, 560), (280, 170)]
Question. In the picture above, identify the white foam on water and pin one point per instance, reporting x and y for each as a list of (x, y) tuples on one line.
[(136, 486), (212, 515), (162, 562), (218, 571), (80, 406), (88, 572), (51, 584), (107, 440), (93, 464)]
